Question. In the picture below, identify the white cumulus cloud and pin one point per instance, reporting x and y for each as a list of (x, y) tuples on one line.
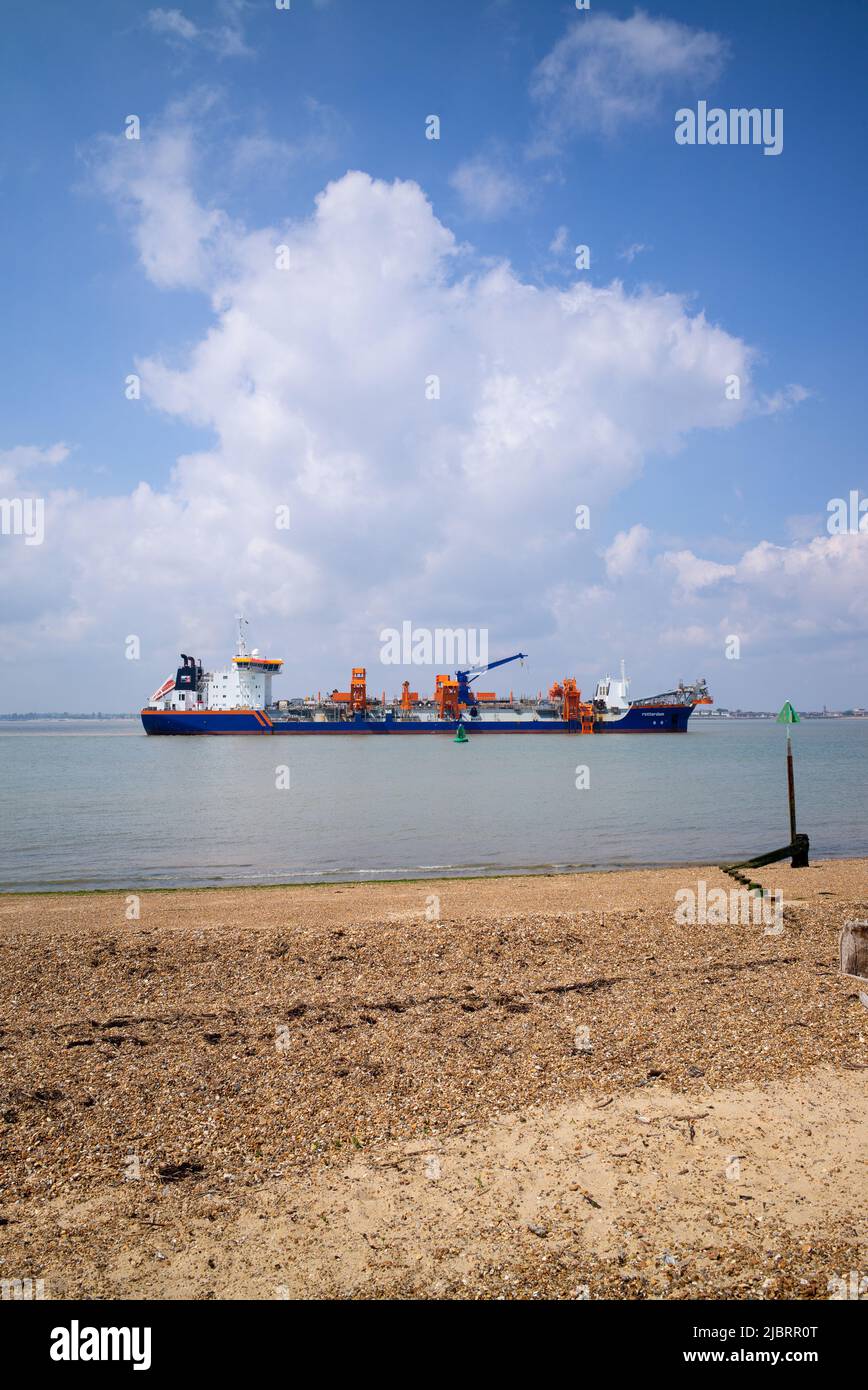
[(452, 506)]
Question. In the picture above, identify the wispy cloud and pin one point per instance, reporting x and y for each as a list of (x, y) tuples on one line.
[(172, 24), (606, 73), (785, 399), (225, 37), (487, 190), (180, 241), (693, 573), (23, 459), (558, 243), (259, 151), (628, 552)]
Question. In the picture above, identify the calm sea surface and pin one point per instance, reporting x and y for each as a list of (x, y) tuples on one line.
[(86, 805)]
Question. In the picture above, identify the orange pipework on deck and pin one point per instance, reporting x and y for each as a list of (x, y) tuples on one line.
[(572, 699), (358, 690), (446, 697), (575, 710)]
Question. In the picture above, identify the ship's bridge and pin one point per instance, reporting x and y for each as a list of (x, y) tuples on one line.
[(246, 684), (255, 662)]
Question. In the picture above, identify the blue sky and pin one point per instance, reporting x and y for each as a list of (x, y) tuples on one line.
[(248, 114)]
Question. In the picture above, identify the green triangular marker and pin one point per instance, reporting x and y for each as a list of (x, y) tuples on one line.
[(788, 715), (461, 736)]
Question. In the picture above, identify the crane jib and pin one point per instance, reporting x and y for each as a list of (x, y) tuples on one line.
[(464, 678)]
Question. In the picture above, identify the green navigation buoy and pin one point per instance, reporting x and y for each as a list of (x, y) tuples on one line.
[(788, 715), (461, 736)]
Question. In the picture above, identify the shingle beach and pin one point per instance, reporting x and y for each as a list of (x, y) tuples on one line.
[(493, 1088)]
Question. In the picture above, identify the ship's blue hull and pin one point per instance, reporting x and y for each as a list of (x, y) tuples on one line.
[(648, 719), (638, 719)]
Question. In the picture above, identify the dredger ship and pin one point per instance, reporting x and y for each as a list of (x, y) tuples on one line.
[(238, 700)]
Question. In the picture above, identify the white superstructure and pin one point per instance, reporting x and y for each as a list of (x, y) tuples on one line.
[(614, 694), (245, 684)]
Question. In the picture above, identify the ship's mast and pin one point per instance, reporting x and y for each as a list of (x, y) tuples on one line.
[(241, 644)]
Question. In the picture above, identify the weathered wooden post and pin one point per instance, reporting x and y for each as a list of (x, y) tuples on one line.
[(791, 788), (854, 949)]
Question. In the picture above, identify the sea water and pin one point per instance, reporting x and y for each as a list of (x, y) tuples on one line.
[(101, 805)]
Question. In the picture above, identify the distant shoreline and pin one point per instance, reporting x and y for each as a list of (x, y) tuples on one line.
[(61, 718)]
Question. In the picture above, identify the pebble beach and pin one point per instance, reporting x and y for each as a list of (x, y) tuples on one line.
[(518, 1087)]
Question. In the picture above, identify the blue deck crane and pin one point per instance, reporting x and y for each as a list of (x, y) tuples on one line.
[(465, 694)]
